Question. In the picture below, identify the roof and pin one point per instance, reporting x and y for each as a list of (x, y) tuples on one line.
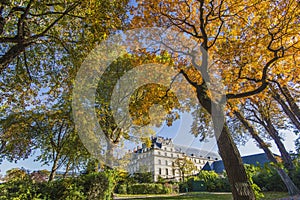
[(255, 159), (157, 142), (197, 152)]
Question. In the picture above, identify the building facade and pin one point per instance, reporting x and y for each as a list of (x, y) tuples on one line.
[(160, 157)]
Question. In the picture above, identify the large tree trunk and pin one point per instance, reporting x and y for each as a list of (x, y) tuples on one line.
[(291, 187), (240, 186), (110, 155)]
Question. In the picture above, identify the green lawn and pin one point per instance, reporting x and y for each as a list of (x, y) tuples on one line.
[(199, 195)]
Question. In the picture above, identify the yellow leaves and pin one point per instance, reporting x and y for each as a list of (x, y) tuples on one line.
[(148, 96), (147, 141)]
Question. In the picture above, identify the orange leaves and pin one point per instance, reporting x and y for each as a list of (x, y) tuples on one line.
[(250, 42)]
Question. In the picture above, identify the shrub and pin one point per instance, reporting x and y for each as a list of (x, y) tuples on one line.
[(268, 179), (183, 187), (214, 182), (121, 189), (150, 188), (89, 186), (19, 189), (251, 170)]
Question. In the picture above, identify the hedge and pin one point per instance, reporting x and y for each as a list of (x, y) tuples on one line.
[(90, 186), (148, 188)]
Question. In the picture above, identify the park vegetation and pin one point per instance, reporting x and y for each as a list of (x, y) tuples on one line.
[(253, 44)]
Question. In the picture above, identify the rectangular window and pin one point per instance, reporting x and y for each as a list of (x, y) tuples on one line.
[(167, 172), (159, 171), (166, 162)]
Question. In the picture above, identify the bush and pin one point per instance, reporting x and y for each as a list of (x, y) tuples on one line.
[(268, 179), (121, 189), (90, 186), (251, 170), (183, 187), (214, 182), (148, 188), (295, 175), (19, 189)]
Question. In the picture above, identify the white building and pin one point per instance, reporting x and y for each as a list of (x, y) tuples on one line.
[(159, 158)]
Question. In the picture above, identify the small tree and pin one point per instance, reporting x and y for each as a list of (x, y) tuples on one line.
[(185, 166)]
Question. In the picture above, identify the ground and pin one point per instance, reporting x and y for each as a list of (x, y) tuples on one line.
[(202, 196)]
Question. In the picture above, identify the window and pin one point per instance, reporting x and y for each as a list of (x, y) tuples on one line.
[(173, 172), (167, 172), (171, 155), (159, 153), (159, 162), (166, 154), (165, 148), (159, 171), (166, 162)]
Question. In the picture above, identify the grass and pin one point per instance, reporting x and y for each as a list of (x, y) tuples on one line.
[(199, 195)]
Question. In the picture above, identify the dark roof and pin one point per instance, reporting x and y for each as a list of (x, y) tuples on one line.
[(255, 159)]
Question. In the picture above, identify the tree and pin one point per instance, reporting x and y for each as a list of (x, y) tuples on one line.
[(42, 45), (262, 113), (26, 24), (59, 143), (185, 166), (291, 187), (220, 25), (16, 174), (291, 109), (140, 101), (17, 139)]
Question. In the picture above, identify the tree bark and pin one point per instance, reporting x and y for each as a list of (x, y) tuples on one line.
[(240, 186), (67, 169), (291, 187), (110, 154), (289, 98), (54, 168), (287, 160)]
